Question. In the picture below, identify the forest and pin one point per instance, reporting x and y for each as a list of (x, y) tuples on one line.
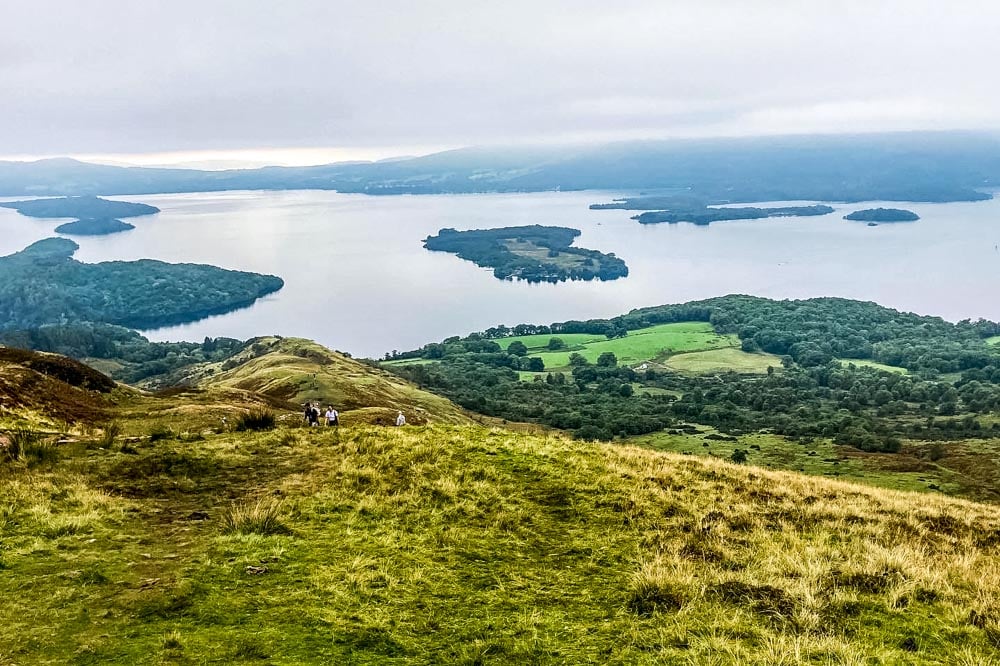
[(91, 226), (883, 215), (532, 253), (132, 358), (948, 378), (43, 284)]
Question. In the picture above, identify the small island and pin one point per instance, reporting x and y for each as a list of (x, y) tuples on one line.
[(876, 215), (94, 226), (705, 216), (531, 253), (82, 207), (44, 284)]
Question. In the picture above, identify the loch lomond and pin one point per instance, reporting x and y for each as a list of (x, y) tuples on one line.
[(358, 279)]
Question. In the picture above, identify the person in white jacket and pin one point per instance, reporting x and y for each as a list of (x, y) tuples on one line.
[(400, 420), (332, 416)]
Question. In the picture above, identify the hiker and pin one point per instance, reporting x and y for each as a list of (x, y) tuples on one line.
[(332, 416), (400, 420), (307, 414), (312, 414)]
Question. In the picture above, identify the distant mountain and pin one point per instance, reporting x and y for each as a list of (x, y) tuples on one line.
[(914, 166)]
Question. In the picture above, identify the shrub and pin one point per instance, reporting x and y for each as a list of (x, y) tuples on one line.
[(256, 421), (111, 432), (24, 445), (160, 432), (260, 517)]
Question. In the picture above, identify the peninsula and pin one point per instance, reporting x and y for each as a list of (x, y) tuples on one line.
[(705, 216), (43, 284), (532, 253)]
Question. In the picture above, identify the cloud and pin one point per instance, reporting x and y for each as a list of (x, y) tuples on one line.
[(116, 76)]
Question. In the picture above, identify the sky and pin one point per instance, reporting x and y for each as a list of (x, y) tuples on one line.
[(246, 82)]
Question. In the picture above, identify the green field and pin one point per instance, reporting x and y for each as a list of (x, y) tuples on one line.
[(640, 345), (861, 363), (726, 359), (995, 340)]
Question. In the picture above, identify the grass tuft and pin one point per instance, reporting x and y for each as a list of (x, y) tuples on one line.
[(111, 432), (256, 421), (29, 447), (262, 516)]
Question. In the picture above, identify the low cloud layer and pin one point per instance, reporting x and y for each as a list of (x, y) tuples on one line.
[(119, 76)]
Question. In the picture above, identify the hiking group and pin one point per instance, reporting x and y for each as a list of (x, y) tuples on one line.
[(332, 416), (312, 415)]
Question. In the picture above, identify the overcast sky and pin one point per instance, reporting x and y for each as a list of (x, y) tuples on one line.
[(303, 81)]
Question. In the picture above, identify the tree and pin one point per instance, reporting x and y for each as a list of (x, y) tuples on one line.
[(625, 391), (517, 348), (607, 360), (578, 360), (739, 456), (555, 344), (536, 365)]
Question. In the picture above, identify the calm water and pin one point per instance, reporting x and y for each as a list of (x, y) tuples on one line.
[(358, 279)]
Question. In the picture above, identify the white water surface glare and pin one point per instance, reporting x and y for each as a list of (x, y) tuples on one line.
[(358, 279)]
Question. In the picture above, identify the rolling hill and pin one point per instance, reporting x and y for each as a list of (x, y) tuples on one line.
[(139, 527)]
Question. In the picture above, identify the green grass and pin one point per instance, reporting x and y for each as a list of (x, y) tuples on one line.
[(718, 360), (638, 346), (862, 363), (909, 470), (995, 340), (470, 545)]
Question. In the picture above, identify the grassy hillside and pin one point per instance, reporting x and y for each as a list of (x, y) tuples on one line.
[(470, 545), (292, 371)]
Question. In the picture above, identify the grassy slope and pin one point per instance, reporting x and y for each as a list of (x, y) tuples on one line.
[(995, 340), (462, 544), (965, 468)]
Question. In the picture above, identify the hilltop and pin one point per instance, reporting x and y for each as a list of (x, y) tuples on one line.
[(292, 371)]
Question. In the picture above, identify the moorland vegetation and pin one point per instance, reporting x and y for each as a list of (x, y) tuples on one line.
[(148, 531)]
